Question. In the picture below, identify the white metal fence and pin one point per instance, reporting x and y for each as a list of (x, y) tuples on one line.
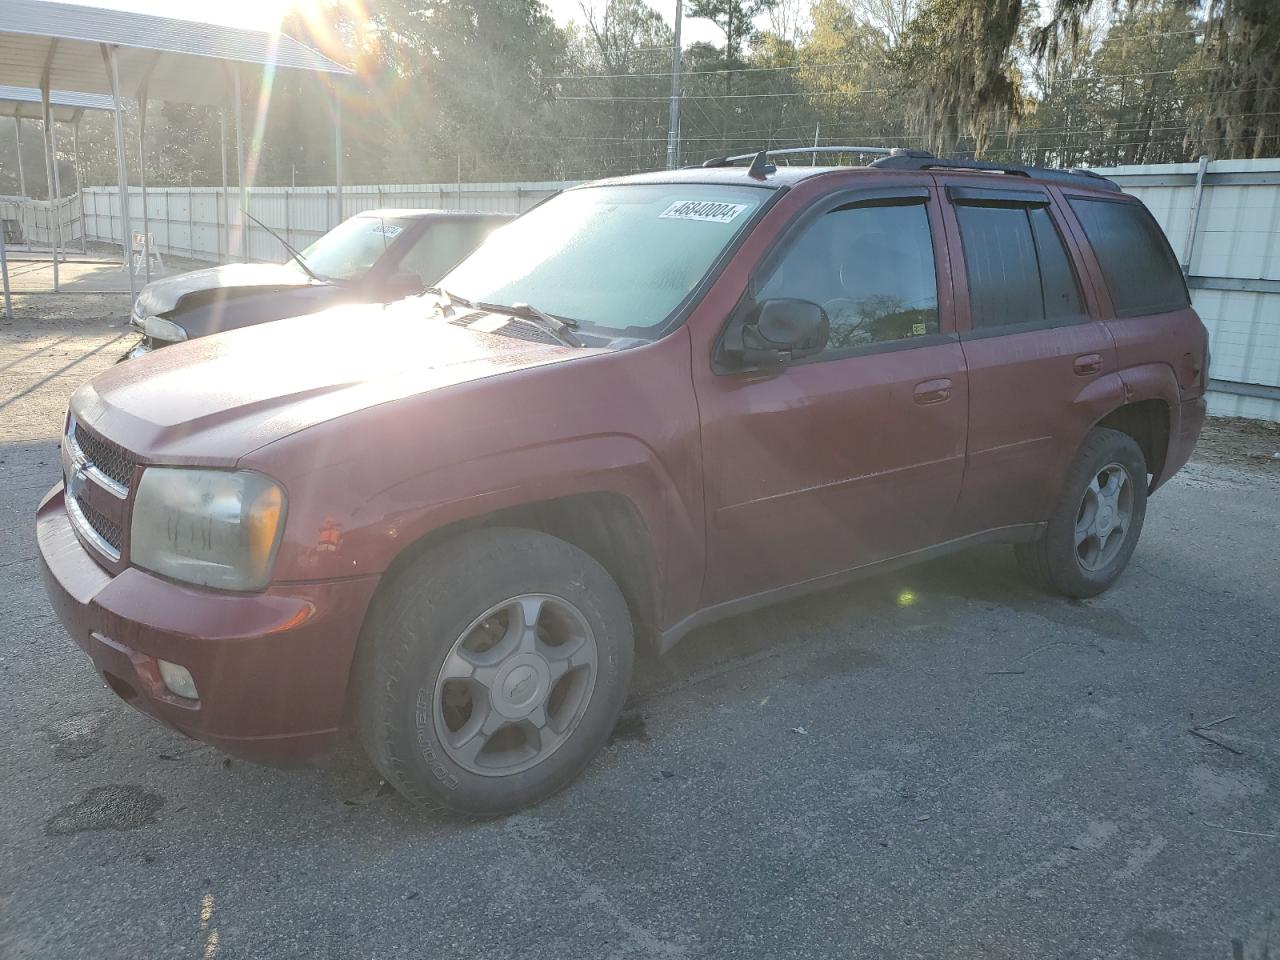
[(1222, 217), (204, 224), (35, 221)]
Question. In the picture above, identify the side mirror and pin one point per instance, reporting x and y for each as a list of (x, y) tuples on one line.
[(401, 285), (776, 331)]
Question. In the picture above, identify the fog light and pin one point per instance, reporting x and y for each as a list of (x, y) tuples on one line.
[(178, 679)]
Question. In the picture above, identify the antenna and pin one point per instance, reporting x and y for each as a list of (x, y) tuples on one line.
[(760, 166)]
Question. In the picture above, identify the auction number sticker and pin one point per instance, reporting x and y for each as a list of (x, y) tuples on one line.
[(709, 211)]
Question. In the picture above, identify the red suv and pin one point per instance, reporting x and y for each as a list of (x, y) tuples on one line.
[(647, 404)]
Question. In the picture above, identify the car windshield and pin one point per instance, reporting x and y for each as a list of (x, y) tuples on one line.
[(348, 250), (617, 258)]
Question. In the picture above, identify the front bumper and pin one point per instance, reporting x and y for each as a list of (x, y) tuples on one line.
[(270, 668)]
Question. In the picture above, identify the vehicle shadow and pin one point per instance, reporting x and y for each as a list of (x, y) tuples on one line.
[(822, 632)]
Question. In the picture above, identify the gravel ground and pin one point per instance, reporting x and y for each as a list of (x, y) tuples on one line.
[(940, 763)]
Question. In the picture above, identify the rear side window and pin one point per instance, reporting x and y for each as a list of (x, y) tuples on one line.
[(1018, 269), (1057, 279), (1140, 269)]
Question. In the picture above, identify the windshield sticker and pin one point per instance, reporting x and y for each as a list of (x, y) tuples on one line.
[(388, 229), (710, 211)]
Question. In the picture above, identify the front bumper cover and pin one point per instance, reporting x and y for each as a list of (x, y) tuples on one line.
[(271, 668)]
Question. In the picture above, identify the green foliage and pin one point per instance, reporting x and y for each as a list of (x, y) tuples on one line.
[(956, 72), (1238, 112), (495, 90)]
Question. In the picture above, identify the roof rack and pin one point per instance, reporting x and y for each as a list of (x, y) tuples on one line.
[(918, 160), (795, 151), (760, 165)]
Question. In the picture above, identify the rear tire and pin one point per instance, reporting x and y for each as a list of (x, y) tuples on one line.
[(1095, 526), (492, 670)]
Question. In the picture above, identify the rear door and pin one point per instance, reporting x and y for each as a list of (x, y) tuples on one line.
[(1031, 346), (854, 455)]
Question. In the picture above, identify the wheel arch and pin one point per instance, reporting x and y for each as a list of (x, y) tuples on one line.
[(606, 525), (1149, 423)]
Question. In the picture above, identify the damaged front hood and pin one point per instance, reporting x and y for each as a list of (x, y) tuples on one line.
[(163, 296), (213, 400)]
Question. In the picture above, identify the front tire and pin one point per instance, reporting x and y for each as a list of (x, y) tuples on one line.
[(1097, 521), (492, 670)]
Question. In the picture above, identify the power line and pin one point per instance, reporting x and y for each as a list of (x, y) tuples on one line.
[(719, 71), (854, 93)]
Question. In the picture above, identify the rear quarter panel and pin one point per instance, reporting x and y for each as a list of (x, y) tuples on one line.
[(1161, 356)]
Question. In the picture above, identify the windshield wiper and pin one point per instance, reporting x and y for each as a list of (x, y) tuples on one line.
[(285, 243), (449, 298), (562, 330)]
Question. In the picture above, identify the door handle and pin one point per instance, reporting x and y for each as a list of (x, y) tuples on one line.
[(932, 391), (1088, 365)]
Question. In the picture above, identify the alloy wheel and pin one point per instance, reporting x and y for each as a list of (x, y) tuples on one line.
[(515, 684), (1104, 517)]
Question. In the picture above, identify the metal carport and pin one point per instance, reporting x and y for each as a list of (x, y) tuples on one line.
[(69, 47), (27, 103)]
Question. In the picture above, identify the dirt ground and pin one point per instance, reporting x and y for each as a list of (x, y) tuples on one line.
[(941, 763), (1235, 441)]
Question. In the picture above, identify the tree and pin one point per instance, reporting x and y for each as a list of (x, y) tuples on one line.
[(623, 52), (1238, 111), (844, 69), (957, 73), (736, 20)]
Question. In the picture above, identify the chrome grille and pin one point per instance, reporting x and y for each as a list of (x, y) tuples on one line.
[(105, 456), (91, 467), (107, 530)]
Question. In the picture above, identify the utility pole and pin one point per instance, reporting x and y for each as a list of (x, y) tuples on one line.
[(673, 124)]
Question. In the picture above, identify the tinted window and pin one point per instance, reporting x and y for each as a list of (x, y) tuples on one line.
[(1018, 268), (1139, 268), (1000, 260), (870, 268), (1062, 302), (442, 246)]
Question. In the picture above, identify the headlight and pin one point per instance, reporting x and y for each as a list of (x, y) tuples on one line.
[(158, 328), (215, 528)]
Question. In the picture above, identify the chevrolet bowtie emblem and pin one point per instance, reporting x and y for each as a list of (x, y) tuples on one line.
[(76, 481)]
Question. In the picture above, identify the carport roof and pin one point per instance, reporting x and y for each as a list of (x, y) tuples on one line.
[(66, 107), (180, 60)]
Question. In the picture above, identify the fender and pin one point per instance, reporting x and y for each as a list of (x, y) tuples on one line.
[(1151, 381), (1098, 398), (1095, 400), (364, 487), (1157, 381), (325, 541), (1101, 397)]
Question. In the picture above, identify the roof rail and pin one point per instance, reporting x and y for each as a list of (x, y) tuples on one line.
[(910, 160), (797, 151)]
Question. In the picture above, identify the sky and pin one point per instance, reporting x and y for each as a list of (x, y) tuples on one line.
[(264, 14)]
